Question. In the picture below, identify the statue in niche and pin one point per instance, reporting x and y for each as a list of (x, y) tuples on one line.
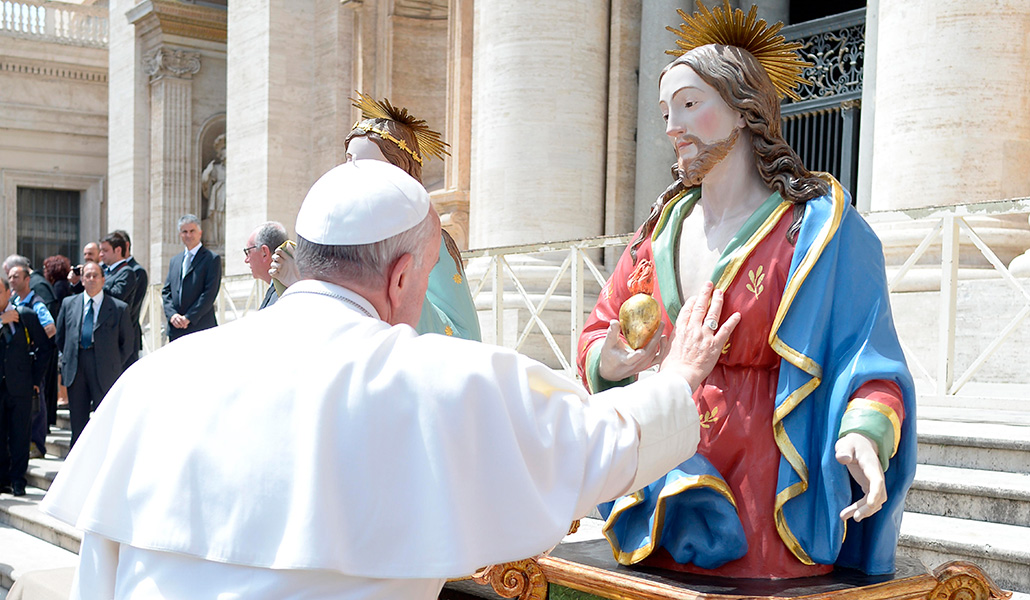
[(212, 186)]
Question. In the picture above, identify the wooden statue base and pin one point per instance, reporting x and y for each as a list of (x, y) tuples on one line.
[(587, 570)]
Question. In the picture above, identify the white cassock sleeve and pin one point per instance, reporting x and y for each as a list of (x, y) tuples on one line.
[(379, 454)]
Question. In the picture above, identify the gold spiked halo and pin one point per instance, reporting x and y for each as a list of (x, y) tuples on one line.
[(429, 142), (730, 27)]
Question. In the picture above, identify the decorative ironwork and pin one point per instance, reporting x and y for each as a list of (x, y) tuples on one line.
[(838, 58), (836, 48)]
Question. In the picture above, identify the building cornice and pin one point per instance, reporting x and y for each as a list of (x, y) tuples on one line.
[(185, 20)]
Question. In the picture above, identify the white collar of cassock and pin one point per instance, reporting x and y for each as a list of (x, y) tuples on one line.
[(352, 299)]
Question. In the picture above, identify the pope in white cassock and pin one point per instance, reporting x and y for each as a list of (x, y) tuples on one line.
[(426, 447)]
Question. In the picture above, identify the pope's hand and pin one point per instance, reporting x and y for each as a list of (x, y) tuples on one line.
[(696, 345), (284, 268), (859, 454), (619, 361)]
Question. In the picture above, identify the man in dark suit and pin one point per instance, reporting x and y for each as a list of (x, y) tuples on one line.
[(258, 255), (25, 351), (119, 278), (95, 338), (194, 276), (136, 306)]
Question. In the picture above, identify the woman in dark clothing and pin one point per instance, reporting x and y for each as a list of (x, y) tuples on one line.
[(56, 269)]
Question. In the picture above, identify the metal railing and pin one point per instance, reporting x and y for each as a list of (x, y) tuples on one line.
[(823, 126), (230, 304), (576, 262), (948, 225), (58, 22)]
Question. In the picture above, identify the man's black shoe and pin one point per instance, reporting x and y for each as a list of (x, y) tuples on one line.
[(5, 488), (19, 489)]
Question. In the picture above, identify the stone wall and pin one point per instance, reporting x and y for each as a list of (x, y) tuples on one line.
[(53, 127)]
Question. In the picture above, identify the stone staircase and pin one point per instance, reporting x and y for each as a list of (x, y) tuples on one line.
[(970, 501)]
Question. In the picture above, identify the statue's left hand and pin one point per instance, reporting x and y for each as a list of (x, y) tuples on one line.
[(859, 455)]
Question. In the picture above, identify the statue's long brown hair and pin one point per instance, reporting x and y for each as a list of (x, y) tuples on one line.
[(394, 155), (399, 158), (744, 85)]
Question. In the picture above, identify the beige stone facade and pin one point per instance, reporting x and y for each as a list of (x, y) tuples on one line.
[(549, 107)]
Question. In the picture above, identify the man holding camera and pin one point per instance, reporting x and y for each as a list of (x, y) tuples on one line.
[(25, 351)]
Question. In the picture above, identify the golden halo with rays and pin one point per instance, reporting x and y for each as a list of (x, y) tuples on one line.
[(730, 27), (429, 142)]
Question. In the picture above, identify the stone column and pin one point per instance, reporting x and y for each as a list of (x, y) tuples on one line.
[(951, 124), (654, 152), (539, 117), (128, 139), (950, 121), (453, 201), (170, 71)]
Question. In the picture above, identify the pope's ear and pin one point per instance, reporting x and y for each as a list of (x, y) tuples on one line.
[(401, 273)]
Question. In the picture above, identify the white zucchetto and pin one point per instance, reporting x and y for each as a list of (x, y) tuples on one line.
[(361, 202)]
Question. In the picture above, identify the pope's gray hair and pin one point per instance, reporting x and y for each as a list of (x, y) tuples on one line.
[(364, 263)]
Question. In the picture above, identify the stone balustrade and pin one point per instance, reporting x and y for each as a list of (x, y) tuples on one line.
[(68, 24)]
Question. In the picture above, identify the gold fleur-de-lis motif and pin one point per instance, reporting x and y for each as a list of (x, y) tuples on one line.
[(709, 417), (756, 278), (457, 278), (726, 348), (448, 331)]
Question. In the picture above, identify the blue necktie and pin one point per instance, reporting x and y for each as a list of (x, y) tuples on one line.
[(87, 326)]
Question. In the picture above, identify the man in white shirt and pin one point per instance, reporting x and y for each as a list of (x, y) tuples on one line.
[(424, 446)]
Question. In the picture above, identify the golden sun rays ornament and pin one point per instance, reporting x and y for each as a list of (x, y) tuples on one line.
[(429, 142), (730, 27)]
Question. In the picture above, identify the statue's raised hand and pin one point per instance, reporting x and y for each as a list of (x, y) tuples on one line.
[(284, 269), (859, 454), (619, 361)]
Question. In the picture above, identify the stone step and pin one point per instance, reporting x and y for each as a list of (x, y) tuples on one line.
[(975, 415), (21, 553), (58, 443), (991, 496), (42, 471), (64, 420), (23, 513), (1002, 551), (984, 446)]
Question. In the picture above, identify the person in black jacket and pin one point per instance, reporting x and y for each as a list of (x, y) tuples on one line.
[(191, 287), (136, 306), (25, 351)]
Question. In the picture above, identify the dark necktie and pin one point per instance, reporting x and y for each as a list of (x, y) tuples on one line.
[(87, 326)]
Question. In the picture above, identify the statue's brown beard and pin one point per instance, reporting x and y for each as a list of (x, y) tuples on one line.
[(708, 155)]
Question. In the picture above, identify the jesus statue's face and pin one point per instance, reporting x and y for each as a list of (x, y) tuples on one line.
[(700, 125)]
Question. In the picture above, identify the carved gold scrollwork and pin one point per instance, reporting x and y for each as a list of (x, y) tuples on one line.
[(960, 580), (521, 579)]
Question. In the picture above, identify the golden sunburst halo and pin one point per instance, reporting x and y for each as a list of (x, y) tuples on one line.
[(429, 142), (730, 27)]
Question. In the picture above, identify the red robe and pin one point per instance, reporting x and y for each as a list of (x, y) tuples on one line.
[(736, 401)]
